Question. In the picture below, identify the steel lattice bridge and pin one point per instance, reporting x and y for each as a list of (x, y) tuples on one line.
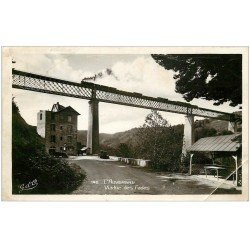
[(97, 93), (89, 91)]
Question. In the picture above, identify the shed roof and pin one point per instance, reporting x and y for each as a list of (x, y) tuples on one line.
[(223, 143)]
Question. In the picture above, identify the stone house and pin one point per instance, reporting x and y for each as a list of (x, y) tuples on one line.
[(59, 128)]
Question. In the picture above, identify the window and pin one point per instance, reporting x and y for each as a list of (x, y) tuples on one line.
[(69, 118), (52, 116), (69, 139), (69, 128), (52, 138), (61, 127), (41, 116), (61, 138), (52, 127)]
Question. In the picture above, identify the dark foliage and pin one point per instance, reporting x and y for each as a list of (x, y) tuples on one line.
[(124, 150), (216, 77), (110, 150), (29, 162), (225, 132), (160, 143), (204, 132)]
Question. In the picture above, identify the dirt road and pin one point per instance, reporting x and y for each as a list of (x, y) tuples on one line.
[(112, 177)]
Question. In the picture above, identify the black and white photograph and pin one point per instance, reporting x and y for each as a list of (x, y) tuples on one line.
[(124, 125), (121, 123)]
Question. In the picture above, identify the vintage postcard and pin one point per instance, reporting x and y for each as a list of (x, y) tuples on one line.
[(125, 123)]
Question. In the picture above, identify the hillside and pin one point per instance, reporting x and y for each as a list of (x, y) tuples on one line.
[(30, 163), (24, 136), (110, 140), (211, 123), (205, 127)]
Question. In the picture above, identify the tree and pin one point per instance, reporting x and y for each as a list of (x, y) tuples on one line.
[(30, 162), (124, 150), (216, 77), (159, 142)]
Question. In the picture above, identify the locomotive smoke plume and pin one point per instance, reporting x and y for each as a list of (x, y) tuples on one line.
[(106, 72)]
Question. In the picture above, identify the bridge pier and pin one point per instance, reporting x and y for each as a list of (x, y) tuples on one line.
[(232, 126), (49, 85), (93, 127), (188, 138)]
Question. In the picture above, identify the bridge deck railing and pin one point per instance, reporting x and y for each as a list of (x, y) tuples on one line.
[(87, 90)]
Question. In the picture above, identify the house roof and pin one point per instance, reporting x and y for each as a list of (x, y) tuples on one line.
[(70, 108), (58, 108), (223, 143)]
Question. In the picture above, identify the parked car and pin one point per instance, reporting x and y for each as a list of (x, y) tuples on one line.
[(103, 154)]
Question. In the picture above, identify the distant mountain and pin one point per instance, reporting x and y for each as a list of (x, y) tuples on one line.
[(211, 126), (110, 140), (82, 137), (211, 123), (218, 125)]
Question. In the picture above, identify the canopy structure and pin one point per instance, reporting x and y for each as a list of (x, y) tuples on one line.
[(224, 143)]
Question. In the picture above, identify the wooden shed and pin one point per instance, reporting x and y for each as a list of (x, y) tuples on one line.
[(230, 145)]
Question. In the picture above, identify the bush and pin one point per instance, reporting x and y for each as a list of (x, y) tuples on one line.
[(30, 162), (54, 176), (124, 150)]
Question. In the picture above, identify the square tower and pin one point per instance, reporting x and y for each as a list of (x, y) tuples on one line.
[(59, 128)]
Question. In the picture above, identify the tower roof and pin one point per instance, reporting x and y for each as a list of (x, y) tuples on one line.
[(58, 108)]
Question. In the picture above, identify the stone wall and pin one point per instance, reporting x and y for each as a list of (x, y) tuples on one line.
[(65, 131), (135, 162)]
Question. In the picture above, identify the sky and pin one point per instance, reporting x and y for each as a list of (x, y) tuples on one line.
[(135, 73)]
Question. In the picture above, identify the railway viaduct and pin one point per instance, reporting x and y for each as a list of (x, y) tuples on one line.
[(97, 93)]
